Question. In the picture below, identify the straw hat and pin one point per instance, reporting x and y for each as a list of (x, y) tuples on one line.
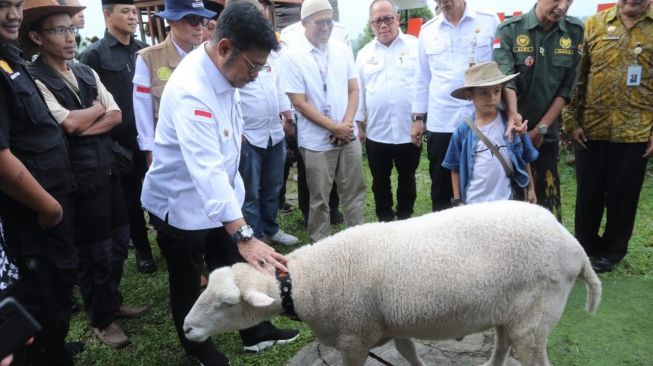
[(310, 7), (480, 75), (38, 9)]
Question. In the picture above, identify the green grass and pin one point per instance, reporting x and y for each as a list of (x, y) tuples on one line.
[(620, 334)]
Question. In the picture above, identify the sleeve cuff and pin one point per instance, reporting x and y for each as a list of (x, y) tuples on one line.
[(419, 107), (145, 143), (224, 211)]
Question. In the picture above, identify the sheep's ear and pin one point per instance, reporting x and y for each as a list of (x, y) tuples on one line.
[(257, 298), (230, 291)]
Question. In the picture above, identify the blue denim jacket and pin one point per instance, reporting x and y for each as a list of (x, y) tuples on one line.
[(464, 141)]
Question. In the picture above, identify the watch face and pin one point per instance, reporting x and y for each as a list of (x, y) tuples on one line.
[(246, 231)]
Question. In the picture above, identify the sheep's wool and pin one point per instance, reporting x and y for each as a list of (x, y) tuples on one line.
[(310, 7)]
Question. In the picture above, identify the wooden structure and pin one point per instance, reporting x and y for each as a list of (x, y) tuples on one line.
[(153, 29)]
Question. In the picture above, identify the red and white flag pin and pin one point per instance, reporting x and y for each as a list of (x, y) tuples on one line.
[(143, 89), (496, 43)]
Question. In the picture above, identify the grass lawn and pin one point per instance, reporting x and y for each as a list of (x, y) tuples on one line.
[(620, 334)]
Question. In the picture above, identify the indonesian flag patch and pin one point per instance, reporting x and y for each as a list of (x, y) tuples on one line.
[(143, 89), (203, 113), (496, 43)]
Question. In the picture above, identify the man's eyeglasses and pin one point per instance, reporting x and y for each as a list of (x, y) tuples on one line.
[(253, 69), (61, 31), (195, 20), (321, 23), (387, 20)]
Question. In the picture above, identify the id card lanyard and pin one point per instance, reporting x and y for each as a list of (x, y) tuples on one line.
[(634, 77), (326, 107)]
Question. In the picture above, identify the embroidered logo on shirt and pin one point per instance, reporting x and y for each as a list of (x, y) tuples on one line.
[(522, 42), (5, 66), (202, 113), (163, 73), (565, 42), (142, 89)]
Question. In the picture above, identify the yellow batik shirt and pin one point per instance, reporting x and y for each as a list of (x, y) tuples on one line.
[(604, 105)]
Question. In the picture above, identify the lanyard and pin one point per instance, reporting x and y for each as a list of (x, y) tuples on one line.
[(323, 73)]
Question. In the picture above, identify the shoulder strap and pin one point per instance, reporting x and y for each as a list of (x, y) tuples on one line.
[(493, 149)]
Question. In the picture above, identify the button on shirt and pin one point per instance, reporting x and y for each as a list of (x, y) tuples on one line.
[(385, 74), (263, 99), (445, 51), (143, 104), (305, 70), (194, 180)]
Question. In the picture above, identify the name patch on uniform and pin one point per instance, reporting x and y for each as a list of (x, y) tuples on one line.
[(143, 89), (5, 66), (561, 51), (202, 113), (163, 73), (522, 49)]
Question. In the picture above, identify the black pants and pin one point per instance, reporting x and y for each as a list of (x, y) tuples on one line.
[(47, 276), (102, 237), (609, 176), (441, 191), (405, 158), (547, 179), (132, 185), (303, 195)]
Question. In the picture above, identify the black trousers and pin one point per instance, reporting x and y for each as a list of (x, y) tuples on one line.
[(547, 179), (132, 185), (382, 158), (609, 176), (102, 237), (441, 190), (303, 195), (46, 280)]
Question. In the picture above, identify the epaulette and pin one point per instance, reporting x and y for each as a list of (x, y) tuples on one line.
[(510, 21), (489, 12), (431, 21)]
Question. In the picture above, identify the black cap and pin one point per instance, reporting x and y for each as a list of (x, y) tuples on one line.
[(116, 2)]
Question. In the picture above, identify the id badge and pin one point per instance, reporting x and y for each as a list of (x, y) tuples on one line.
[(326, 111), (634, 75)]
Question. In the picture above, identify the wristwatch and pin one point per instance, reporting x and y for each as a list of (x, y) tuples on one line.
[(542, 129), (244, 233), (456, 201), (418, 117)]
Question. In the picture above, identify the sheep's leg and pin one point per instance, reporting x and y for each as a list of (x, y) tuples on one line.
[(354, 357), (501, 347), (530, 345), (406, 348)]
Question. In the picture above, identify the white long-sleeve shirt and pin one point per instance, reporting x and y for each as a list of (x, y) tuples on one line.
[(194, 179), (444, 53), (386, 78)]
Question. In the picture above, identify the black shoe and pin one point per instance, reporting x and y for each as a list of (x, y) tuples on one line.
[(285, 207), (336, 217), (74, 348), (264, 335), (74, 307), (602, 265), (146, 266)]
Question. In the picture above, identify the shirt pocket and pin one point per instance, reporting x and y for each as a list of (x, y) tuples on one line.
[(564, 61), (34, 107), (114, 66), (438, 55)]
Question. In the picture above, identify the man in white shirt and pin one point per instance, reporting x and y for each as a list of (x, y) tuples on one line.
[(448, 44), (321, 80), (386, 71), (193, 185)]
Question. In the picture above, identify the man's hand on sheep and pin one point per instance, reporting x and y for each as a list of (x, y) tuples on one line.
[(262, 256)]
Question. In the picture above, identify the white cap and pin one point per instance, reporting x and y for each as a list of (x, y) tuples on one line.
[(310, 7)]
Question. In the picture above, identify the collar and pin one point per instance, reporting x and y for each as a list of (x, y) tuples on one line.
[(180, 50), (531, 21), (214, 76), (285, 290), (308, 47), (113, 41), (400, 38), (468, 13), (10, 52), (612, 13)]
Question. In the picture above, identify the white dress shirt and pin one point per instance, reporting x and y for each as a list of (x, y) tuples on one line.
[(445, 51), (143, 105), (386, 79), (305, 71), (262, 101), (194, 179)]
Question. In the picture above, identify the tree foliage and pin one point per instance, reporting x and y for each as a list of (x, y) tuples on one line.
[(368, 35)]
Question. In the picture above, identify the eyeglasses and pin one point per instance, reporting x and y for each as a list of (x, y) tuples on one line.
[(195, 20), (321, 23), (253, 69), (61, 31), (387, 20)]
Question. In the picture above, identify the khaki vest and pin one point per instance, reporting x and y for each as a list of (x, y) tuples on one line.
[(161, 60)]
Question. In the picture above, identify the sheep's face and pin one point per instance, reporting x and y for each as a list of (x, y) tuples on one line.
[(222, 307)]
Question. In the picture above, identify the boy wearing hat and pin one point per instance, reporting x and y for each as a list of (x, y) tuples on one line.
[(113, 58), (36, 183), (477, 175)]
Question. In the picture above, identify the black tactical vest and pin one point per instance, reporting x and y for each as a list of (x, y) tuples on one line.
[(92, 157)]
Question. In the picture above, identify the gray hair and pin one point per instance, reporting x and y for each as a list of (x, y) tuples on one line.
[(392, 3)]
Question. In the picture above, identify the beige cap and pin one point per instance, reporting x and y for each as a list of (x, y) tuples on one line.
[(310, 7), (485, 74)]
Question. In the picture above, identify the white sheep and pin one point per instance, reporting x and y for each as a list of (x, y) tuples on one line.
[(507, 265)]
